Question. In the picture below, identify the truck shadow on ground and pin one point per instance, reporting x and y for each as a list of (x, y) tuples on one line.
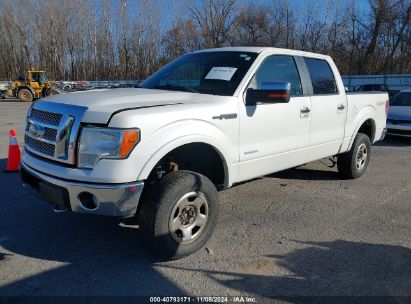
[(82, 254), (111, 262), (95, 256), (336, 268), (306, 174)]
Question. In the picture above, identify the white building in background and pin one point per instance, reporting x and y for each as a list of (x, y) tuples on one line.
[(393, 81)]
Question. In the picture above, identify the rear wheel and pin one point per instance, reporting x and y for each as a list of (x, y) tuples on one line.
[(25, 95), (179, 213), (353, 163)]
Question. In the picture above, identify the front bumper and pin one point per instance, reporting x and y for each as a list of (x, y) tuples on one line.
[(399, 129), (103, 199)]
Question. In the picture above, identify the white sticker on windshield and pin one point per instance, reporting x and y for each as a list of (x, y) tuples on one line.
[(221, 73)]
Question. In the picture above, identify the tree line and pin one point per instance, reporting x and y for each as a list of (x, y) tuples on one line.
[(125, 39)]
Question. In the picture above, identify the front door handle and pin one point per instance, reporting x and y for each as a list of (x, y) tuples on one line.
[(341, 107)]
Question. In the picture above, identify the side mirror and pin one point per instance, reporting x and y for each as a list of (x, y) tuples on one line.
[(270, 92)]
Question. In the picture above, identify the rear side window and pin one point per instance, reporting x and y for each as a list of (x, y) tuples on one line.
[(322, 78), (401, 100)]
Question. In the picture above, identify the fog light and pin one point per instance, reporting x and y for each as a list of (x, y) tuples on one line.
[(88, 201)]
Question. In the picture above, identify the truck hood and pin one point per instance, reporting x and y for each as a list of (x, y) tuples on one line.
[(399, 113), (101, 104)]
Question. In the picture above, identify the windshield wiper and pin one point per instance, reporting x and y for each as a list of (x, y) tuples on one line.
[(175, 87)]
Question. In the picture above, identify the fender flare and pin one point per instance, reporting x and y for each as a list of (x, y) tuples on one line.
[(363, 119)]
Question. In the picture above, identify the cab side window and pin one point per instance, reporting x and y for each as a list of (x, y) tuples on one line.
[(278, 68), (322, 78)]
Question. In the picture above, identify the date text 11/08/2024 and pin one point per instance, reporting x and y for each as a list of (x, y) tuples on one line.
[(234, 299)]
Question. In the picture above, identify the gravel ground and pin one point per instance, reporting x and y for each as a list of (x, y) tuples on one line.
[(294, 233)]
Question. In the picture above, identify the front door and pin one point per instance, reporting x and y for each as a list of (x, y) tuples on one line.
[(273, 136)]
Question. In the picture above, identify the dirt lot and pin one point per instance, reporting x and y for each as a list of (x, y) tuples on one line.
[(298, 232)]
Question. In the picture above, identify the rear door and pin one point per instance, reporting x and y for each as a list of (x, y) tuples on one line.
[(328, 109)]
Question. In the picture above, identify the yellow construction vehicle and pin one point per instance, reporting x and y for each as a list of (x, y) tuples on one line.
[(35, 86)]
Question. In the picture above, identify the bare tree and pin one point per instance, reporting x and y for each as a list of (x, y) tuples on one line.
[(105, 39), (252, 26), (214, 19)]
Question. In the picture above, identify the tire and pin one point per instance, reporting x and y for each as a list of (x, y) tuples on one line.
[(176, 201), (25, 95), (353, 163)]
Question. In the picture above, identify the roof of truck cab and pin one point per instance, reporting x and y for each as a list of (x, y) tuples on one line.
[(259, 49)]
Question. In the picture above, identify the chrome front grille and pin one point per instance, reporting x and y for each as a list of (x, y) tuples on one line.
[(51, 130), (42, 147), (50, 134), (46, 117)]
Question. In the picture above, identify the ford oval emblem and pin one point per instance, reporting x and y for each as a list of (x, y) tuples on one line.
[(36, 130)]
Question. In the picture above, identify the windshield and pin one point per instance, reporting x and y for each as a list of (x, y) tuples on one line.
[(217, 73), (43, 77), (401, 100), (40, 77)]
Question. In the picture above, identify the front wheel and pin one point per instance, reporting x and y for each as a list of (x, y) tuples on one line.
[(353, 163), (25, 95), (179, 213)]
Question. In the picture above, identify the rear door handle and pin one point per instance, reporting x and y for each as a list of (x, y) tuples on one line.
[(305, 110), (341, 107)]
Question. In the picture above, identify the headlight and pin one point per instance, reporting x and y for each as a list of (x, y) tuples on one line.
[(98, 143)]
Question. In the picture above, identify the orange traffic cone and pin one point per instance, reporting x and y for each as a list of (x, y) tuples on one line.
[(13, 160)]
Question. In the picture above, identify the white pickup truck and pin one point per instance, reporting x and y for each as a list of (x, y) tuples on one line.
[(204, 122)]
